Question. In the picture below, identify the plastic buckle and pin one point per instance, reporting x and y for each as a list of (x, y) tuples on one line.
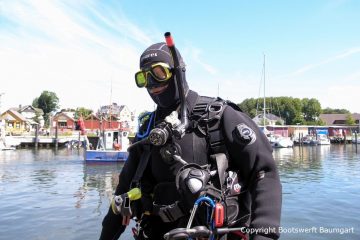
[(170, 213), (126, 210), (215, 107)]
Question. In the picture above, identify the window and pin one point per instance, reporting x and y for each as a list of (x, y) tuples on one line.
[(62, 124)]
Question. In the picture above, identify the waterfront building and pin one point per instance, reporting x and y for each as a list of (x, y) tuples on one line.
[(339, 119), (14, 122), (269, 119), (122, 114), (64, 121)]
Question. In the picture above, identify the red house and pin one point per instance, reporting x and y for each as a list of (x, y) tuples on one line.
[(64, 121)]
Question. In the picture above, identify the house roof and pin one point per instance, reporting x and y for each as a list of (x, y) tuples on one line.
[(14, 114), (269, 116), (69, 115), (92, 116), (113, 108), (330, 119), (21, 109), (32, 122), (24, 108)]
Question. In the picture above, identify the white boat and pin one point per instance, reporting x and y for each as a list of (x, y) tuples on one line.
[(309, 140), (277, 141), (357, 141), (323, 140), (3, 147), (9, 143), (111, 147)]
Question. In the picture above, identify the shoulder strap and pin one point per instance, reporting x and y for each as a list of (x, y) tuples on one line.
[(144, 159), (222, 165), (206, 117)]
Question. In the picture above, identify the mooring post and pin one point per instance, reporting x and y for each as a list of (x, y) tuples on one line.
[(36, 136), (79, 143), (56, 137), (356, 143)]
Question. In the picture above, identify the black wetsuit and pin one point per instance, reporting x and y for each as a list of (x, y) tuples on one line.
[(253, 161)]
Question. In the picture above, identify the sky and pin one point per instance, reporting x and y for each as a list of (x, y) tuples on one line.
[(87, 51)]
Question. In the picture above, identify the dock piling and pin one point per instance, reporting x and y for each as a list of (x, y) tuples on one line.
[(56, 137), (36, 136), (356, 143)]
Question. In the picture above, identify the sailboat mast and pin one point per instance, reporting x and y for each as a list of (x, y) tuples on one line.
[(264, 92)]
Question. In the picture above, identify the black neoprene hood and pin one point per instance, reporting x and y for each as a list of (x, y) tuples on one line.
[(159, 52)]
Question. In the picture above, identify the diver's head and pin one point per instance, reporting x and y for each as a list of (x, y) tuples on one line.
[(157, 75)]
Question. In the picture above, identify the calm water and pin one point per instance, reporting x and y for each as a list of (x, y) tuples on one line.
[(49, 194)]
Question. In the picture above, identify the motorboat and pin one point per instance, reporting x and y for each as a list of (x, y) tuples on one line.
[(356, 140), (111, 147), (277, 141), (323, 140)]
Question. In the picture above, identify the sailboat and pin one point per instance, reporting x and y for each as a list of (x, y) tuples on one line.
[(276, 141)]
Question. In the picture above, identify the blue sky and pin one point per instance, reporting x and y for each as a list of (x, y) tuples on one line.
[(87, 51)]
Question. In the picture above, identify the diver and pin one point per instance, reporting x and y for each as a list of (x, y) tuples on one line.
[(214, 127)]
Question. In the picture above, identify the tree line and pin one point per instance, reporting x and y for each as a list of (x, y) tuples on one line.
[(293, 111)]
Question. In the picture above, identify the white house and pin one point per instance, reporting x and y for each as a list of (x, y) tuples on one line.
[(270, 119)]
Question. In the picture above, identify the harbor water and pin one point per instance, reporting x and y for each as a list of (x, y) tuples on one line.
[(54, 194)]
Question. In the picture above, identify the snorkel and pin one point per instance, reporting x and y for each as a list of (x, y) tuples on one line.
[(173, 125), (179, 130)]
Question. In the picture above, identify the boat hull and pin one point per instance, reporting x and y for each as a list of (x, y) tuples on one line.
[(105, 156), (282, 144)]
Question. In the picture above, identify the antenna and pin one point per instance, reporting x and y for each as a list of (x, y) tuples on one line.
[(111, 105), (264, 92)]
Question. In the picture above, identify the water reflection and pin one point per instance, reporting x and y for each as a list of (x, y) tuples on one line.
[(44, 178), (54, 194), (99, 177), (301, 163), (320, 188)]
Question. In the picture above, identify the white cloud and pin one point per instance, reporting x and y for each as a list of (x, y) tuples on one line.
[(195, 54), (342, 55), (56, 48)]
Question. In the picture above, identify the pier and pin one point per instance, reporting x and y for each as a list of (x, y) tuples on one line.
[(42, 141)]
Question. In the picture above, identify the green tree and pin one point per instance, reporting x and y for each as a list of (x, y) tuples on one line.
[(81, 111), (48, 102), (320, 122), (292, 110), (350, 120), (249, 106), (335, 111), (311, 109), (278, 122), (289, 109), (298, 119)]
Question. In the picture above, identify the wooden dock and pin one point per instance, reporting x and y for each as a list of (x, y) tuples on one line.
[(45, 141)]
